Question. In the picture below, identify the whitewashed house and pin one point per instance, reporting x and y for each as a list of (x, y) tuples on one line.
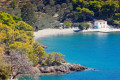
[(98, 24)]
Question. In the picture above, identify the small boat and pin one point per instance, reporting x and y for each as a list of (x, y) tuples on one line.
[(44, 46), (77, 30)]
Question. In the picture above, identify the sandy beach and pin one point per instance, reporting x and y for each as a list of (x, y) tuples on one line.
[(53, 32)]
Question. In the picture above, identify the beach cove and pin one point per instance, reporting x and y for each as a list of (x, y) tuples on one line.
[(92, 49)]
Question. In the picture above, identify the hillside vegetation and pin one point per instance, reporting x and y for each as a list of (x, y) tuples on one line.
[(18, 51), (33, 11)]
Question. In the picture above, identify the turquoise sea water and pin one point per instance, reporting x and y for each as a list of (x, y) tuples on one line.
[(94, 50)]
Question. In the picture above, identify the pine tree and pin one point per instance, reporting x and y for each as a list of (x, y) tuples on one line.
[(51, 2), (28, 14), (14, 4)]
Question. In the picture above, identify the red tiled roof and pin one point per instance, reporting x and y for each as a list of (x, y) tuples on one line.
[(100, 20), (90, 22)]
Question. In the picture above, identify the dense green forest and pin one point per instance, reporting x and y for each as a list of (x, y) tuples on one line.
[(42, 13), (18, 51)]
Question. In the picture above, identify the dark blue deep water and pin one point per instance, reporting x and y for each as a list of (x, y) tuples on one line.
[(94, 50)]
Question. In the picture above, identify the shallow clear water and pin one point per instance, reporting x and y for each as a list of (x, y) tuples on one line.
[(94, 50)]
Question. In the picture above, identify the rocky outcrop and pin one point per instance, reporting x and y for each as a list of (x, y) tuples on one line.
[(63, 68)]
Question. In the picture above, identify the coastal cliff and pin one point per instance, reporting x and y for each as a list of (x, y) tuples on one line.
[(63, 68)]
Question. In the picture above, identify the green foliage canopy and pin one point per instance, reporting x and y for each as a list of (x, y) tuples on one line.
[(67, 24), (83, 26), (5, 18), (55, 58), (17, 19), (18, 37), (23, 26), (14, 4)]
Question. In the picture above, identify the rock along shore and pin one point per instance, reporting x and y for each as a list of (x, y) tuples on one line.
[(63, 68)]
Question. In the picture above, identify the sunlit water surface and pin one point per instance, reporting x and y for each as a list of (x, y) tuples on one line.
[(94, 50)]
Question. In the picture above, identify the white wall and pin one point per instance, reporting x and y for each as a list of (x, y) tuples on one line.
[(101, 24)]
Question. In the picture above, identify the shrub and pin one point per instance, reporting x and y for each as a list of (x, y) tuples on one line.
[(67, 24), (83, 26), (5, 18), (17, 19), (23, 26), (55, 59)]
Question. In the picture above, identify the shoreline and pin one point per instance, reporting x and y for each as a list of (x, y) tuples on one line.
[(102, 30), (64, 68), (53, 32), (67, 67)]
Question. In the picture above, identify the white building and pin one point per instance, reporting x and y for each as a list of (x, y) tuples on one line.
[(98, 24)]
